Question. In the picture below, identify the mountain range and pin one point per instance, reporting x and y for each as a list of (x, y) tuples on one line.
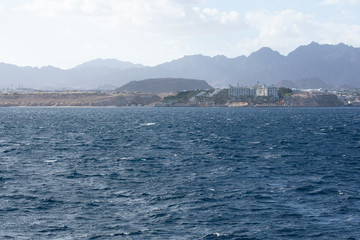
[(313, 65)]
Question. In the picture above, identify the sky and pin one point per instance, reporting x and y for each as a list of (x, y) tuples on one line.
[(66, 33)]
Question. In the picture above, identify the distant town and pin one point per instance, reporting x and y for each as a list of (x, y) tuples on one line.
[(258, 95)]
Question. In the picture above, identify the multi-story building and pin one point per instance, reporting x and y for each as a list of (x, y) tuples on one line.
[(254, 91), (241, 91), (272, 92)]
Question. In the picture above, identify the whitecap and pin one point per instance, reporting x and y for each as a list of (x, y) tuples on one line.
[(126, 158), (148, 124), (50, 161)]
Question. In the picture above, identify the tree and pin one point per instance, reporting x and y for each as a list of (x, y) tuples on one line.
[(284, 92)]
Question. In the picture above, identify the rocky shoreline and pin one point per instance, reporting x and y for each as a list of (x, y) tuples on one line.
[(76, 99)]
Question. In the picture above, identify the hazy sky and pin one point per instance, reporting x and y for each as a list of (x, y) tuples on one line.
[(65, 33)]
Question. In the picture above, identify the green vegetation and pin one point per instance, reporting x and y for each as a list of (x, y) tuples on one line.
[(284, 92), (199, 97), (222, 97), (252, 100)]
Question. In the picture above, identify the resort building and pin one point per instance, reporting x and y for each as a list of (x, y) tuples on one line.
[(254, 91), (241, 91)]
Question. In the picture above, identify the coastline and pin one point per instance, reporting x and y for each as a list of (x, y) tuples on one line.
[(75, 99), (149, 100)]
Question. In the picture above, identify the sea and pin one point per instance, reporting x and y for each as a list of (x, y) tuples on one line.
[(179, 173)]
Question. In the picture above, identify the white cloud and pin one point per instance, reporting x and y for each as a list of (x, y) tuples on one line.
[(95, 47), (159, 16), (286, 30), (56, 8), (50, 8), (339, 2), (213, 15), (335, 33), (348, 15), (330, 2), (281, 30)]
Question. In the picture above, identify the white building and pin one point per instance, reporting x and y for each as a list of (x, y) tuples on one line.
[(241, 91), (254, 91)]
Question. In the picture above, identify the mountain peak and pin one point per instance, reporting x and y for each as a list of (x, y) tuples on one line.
[(220, 57), (314, 51), (264, 54)]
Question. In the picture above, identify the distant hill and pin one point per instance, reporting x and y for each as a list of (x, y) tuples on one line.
[(109, 63), (161, 85), (326, 66)]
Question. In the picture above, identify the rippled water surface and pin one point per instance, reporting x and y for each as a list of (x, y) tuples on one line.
[(179, 173)]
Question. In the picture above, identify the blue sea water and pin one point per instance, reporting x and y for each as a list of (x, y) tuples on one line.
[(179, 173)]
